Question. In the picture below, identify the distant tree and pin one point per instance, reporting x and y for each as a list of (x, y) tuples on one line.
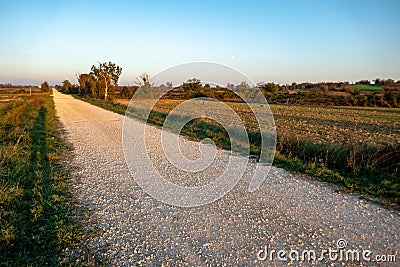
[(108, 74), (230, 86), (243, 86), (388, 82), (66, 85), (363, 82), (6, 85), (308, 85), (87, 85), (126, 92), (268, 87), (45, 87), (168, 85), (192, 88), (59, 88), (144, 79), (192, 84)]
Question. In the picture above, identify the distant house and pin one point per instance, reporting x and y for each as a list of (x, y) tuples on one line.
[(39, 86)]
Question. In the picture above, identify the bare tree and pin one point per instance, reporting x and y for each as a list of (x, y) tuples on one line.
[(143, 79)]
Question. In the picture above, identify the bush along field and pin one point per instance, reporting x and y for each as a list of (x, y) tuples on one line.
[(355, 147), (35, 207)]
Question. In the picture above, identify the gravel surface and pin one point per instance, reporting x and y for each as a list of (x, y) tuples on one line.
[(130, 228)]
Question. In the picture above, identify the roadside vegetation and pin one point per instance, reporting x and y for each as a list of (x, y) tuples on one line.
[(35, 207)]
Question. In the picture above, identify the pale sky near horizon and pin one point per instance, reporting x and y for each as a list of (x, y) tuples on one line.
[(278, 41)]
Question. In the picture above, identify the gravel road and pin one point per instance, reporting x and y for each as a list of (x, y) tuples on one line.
[(288, 212)]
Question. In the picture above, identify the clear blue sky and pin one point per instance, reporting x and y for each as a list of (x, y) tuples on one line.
[(280, 41)]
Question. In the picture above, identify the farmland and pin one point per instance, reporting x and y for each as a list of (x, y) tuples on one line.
[(344, 125), (9, 95), (367, 87)]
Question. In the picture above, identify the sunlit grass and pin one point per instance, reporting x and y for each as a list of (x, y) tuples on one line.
[(367, 87), (35, 207)]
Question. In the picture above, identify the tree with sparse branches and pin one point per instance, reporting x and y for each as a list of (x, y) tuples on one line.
[(143, 79), (107, 73)]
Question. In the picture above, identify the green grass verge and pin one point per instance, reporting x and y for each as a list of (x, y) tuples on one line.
[(369, 170), (35, 207)]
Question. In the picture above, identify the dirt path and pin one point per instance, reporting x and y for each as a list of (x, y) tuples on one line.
[(286, 212)]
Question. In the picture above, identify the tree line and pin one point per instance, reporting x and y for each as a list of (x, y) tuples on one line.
[(44, 87), (102, 82)]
